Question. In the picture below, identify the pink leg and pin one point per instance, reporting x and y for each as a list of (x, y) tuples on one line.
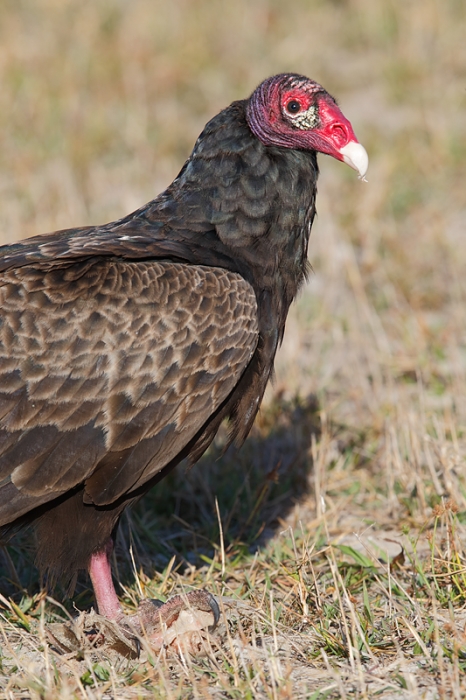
[(101, 576)]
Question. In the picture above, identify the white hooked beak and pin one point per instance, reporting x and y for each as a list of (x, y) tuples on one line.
[(356, 157)]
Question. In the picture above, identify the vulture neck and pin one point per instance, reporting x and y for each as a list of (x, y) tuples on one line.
[(250, 207)]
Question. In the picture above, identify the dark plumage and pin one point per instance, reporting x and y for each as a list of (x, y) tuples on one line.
[(124, 346)]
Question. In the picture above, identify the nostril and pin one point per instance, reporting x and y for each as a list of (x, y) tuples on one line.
[(339, 134)]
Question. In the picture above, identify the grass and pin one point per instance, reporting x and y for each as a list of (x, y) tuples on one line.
[(340, 559)]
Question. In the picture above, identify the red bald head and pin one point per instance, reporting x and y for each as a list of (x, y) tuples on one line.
[(295, 112)]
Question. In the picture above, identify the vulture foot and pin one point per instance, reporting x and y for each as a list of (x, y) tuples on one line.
[(181, 624)]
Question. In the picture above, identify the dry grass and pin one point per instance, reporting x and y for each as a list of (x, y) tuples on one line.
[(344, 516)]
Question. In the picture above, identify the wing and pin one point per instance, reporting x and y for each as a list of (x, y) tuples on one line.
[(108, 368)]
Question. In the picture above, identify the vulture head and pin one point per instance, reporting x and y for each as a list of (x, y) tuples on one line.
[(295, 112)]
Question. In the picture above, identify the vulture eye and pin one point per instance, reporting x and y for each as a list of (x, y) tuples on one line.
[(293, 107)]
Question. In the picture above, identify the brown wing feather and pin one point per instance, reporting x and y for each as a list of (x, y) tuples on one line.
[(109, 368)]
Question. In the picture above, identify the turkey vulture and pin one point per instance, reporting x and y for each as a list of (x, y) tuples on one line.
[(124, 346)]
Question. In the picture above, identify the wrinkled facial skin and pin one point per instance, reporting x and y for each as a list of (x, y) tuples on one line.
[(296, 112), (299, 106)]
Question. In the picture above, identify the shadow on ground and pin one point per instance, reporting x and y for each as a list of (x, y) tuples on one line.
[(254, 487)]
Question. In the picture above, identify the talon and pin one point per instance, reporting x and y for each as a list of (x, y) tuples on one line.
[(137, 644), (215, 612)]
